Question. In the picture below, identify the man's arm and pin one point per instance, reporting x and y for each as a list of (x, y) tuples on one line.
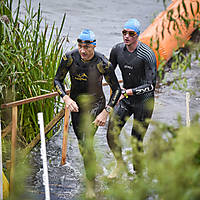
[(59, 85), (111, 79), (149, 81), (113, 57), (147, 87), (60, 76)]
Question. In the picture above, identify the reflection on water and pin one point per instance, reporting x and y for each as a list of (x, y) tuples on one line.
[(106, 19)]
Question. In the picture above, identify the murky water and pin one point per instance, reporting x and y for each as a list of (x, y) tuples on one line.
[(106, 19)]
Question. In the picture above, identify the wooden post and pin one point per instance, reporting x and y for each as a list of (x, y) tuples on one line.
[(65, 135), (49, 126), (13, 148), (187, 109)]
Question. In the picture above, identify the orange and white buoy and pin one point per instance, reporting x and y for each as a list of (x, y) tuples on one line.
[(172, 28)]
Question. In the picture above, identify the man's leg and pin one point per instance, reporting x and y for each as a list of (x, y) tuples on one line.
[(85, 131), (116, 123), (140, 125)]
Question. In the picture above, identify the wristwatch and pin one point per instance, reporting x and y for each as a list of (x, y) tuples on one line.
[(108, 109), (124, 93)]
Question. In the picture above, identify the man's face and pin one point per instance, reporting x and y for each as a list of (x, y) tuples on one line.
[(86, 51), (129, 36)]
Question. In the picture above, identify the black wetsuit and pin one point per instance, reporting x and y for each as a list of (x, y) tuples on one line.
[(86, 80), (138, 70)]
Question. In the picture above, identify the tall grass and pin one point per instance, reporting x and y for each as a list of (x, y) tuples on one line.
[(28, 63), (169, 169)]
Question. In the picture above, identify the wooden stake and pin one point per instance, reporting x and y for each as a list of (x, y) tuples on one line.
[(187, 109), (6, 130), (65, 135), (49, 126), (13, 148)]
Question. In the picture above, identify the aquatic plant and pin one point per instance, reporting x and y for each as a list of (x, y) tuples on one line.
[(29, 57)]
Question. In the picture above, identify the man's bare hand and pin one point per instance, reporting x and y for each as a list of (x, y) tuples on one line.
[(120, 98), (70, 104), (101, 118)]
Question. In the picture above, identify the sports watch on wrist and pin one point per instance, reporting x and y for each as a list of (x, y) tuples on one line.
[(108, 109), (124, 93)]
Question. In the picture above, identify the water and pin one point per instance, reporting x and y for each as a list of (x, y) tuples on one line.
[(106, 19)]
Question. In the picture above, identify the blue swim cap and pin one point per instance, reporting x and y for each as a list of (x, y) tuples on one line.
[(87, 35), (134, 25)]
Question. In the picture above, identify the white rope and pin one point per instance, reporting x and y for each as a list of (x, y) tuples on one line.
[(187, 109), (1, 172), (43, 156)]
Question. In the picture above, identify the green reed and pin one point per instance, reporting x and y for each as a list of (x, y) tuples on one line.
[(29, 57)]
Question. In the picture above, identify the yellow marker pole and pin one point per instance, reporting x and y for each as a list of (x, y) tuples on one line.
[(4, 185)]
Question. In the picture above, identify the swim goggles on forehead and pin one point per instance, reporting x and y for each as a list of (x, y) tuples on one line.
[(86, 41), (130, 33)]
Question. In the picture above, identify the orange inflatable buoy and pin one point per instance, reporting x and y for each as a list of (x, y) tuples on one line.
[(172, 28)]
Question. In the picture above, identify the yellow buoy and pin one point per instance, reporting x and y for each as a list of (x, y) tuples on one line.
[(5, 187)]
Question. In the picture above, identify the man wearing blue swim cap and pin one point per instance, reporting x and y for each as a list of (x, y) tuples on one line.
[(87, 69), (86, 44), (137, 63)]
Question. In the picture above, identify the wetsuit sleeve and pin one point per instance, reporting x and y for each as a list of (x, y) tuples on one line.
[(63, 69), (149, 81), (111, 79), (113, 57)]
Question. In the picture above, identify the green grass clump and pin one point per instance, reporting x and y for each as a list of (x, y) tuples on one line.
[(29, 57)]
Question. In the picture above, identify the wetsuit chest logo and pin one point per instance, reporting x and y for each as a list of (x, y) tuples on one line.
[(128, 67), (81, 77)]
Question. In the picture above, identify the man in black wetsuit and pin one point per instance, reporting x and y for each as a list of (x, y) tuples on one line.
[(137, 63), (87, 69)]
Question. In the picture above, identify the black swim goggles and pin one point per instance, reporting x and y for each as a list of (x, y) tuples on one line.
[(85, 41), (130, 33)]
